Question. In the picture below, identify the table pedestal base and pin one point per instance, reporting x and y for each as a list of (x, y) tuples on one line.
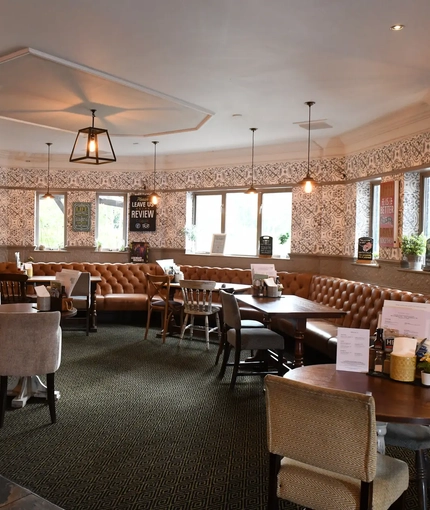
[(25, 388)]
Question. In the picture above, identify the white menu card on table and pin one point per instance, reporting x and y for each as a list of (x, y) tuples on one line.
[(352, 349)]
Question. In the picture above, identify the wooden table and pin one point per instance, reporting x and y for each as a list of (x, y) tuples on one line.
[(395, 401), (41, 280), (22, 388), (291, 307)]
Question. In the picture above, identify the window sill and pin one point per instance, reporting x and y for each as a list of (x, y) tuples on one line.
[(419, 271), (373, 264)]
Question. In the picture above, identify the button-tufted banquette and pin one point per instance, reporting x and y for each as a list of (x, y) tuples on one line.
[(124, 287)]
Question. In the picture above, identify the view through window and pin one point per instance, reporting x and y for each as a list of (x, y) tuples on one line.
[(111, 222), (243, 218), (50, 227)]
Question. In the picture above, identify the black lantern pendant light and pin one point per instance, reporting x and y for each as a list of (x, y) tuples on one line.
[(308, 183), (93, 146), (154, 197), (252, 190), (48, 194)]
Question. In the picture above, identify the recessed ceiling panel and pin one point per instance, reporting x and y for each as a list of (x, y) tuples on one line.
[(40, 89)]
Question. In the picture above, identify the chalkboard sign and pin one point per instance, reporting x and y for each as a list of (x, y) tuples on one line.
[(365, 250), (266, 245), (81, 221), (143, 214)]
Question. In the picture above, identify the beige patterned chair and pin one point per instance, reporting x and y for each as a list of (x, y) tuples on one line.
[(322, 445), (30, 345)]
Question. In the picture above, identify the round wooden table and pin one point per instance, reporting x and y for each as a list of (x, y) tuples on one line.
[(395, 401)]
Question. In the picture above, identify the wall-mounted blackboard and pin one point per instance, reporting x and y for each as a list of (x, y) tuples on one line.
[(81, 217), (266, 245)]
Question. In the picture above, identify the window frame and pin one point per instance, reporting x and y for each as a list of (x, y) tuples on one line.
[(125, 215), (223, 193), (38, 197)]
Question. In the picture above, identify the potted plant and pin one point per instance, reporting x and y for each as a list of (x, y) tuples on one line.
[(424, 365), (283, 238), (413, 247)]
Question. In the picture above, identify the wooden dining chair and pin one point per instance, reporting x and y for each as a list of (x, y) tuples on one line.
[(161, 300), (197, 295), (13, 288), (323, 452)]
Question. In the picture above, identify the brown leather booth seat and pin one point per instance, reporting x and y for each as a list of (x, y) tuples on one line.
[(122, 286), (362, 303)]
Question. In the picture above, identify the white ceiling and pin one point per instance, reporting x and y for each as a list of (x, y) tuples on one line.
[(209, 70)]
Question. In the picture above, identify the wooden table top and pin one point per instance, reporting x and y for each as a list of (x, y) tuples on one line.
[(31, 308), (394, 401), (48, 278), (291, 306)]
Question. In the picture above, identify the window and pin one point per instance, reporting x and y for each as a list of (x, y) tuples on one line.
[(375, 197), (426, 205), (50, 224), (243, 218), (111, 222)]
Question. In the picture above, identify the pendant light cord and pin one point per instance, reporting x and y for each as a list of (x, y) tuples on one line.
[(49, 160), (310, 104), (155, 160), (252, 157)]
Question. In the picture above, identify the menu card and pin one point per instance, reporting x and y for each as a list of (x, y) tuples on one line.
[(407, 318), (352, 349)]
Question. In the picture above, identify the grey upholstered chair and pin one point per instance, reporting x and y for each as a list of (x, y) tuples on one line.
[(197, 295), (245, 338), (30, 345), (416, 438), (322, 445), (81, 295)]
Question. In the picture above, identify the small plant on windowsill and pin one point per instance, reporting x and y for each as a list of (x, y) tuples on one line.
[(283, 238), (414, 244)]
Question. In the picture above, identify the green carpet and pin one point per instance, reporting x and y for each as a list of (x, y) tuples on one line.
[(142, 425)]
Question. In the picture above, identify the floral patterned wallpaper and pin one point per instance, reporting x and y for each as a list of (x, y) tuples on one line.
[(328, 221)]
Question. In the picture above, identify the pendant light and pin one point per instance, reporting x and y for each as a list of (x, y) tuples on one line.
[(154, 197), (93, 146), (308, 183), (48, 195), (252, 190)]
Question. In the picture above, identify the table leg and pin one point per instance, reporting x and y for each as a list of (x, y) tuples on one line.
[(93, 308), (381, 430), (27, 387), (299, 335)]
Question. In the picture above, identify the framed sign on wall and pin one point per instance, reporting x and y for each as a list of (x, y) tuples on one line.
[(388, 214), (143, 214), (81, 217)]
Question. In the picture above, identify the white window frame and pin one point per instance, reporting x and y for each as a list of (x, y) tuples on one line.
[(125, 217), (39, 195)]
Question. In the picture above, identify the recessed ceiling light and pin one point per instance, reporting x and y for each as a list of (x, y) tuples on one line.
[(396, 28), (237, 115)]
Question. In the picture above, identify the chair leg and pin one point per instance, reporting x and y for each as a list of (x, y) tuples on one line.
[(207, 331), (221, 345), (274, 464), (3, 393), (280, 362), (148, 320), (421, 468), (51, 396), (227, 349), (235, 367), (184, 327)]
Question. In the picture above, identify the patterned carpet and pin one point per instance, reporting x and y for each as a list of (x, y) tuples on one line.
[(143, 425)]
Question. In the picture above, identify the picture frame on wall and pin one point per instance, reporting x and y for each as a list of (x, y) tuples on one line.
[(139, 252), (81, 216)]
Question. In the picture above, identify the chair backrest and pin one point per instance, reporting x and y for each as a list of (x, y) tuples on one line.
[(331, 429), (197, 295), (159, 286), (230, 310), (30, 343), (82, 286), (13, 287)]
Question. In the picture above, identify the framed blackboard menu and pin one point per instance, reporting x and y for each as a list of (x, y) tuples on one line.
[(365, 250), (266, 245), (81, 217), (143, 214)]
